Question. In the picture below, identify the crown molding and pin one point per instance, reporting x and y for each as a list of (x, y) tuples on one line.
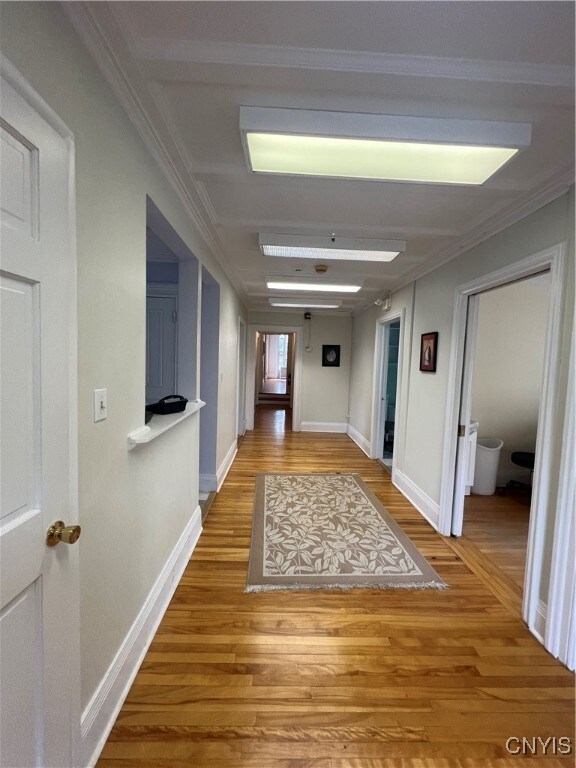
[(555, 187), (90, 30), (254, 55)]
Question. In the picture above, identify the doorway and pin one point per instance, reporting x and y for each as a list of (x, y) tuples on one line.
[(458, 420), (256, 362), (209, 380), (275, 368), (387, 375), (507, 369)]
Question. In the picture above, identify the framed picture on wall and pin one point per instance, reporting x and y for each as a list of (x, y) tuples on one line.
[(331, 355), (428, 351)]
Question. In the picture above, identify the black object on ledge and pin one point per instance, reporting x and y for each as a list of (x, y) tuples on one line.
[(169, 404)]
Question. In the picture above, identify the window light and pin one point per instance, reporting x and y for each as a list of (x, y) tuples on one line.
[(377, 147), (336, 248)]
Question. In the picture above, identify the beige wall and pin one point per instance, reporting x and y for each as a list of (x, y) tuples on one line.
[(325, 390), (133, 506), (508, 365)]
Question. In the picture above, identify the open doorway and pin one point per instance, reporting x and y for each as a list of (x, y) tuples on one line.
[(273, 372), (544, 551), (388, 368), (275, 368), (506, 386)]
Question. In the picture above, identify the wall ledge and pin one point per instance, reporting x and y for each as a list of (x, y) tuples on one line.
[(161, 424)]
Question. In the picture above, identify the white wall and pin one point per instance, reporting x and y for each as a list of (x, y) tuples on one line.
[(508, 365), (133, 506)]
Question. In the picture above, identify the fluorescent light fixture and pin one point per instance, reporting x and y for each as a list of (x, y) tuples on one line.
[(286, 285), (306, 303), (340, 249), (377, 147)]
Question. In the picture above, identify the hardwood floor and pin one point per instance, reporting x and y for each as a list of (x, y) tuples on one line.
[(498, 526), (359, 679)]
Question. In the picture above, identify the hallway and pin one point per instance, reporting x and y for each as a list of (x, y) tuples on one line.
[(358, 679)]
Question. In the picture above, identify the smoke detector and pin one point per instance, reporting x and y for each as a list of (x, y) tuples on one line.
[(320, 269)]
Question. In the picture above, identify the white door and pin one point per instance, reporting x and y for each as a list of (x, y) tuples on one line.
[(39, 608), (161, 334)]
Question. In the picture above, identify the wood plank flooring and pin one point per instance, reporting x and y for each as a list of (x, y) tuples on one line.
[(359, 679), (498, 526)]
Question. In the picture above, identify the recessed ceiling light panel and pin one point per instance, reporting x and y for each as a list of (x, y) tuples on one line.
[(378, 147), (306, 303), (312, 286), (335, 248)]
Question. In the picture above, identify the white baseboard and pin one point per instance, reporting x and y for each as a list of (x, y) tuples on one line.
[(323, 426), (360, 440), (207, 483), (539, 629), (427, 507), (104, 706), (226, 464)]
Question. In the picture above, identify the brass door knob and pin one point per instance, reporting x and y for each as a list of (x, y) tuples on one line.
[(69, 534)]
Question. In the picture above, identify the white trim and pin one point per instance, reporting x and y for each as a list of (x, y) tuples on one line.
[(257, 55), (224, 467), (541, 491), (104, 706), (253, 329), (427, 507), (362, 442), (15, 78), (324, 426), (560, 634), (540, 621), (241, 378)]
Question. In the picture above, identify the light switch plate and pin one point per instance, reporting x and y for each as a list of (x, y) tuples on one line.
[(100, 404)]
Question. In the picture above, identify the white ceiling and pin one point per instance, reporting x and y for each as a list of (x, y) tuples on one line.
[(183, 69)]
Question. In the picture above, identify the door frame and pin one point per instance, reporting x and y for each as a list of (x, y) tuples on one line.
[(380, 358), (552, 259), (253, 329), (167, 291), (241, 383), (25, 90)]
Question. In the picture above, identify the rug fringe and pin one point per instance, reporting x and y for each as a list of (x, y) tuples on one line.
[(342, 587)]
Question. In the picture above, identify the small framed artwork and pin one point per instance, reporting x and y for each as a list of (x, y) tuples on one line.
[(331, 355), (428, 351)]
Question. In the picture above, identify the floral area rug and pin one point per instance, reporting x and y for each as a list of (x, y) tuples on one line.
[(329, 531)]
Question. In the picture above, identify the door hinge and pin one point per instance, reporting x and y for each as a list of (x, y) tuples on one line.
[(174, 316), (462, 430)]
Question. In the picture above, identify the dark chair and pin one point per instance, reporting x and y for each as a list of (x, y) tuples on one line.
[(525, 460)]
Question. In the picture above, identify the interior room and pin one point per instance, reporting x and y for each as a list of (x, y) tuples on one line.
[(506, 387), (333, 198)]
